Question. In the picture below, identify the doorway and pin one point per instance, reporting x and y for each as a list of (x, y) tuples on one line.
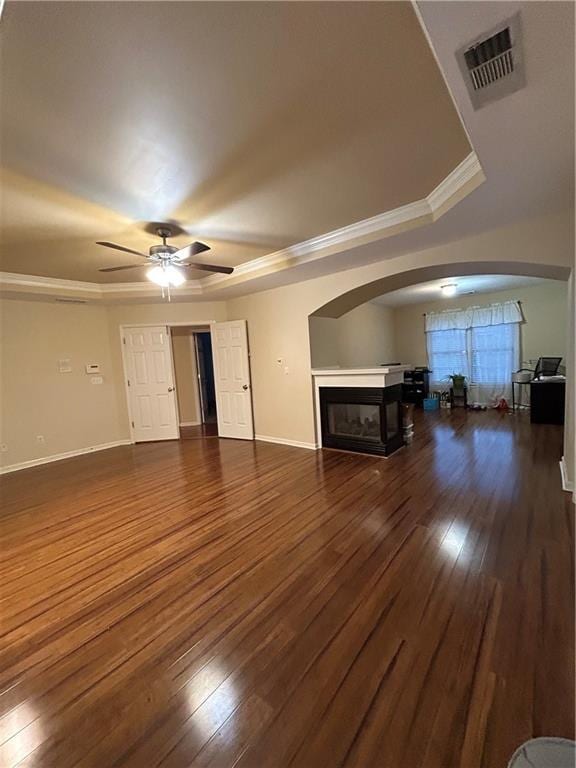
[(187, 377), (205, 368), (195, 387)]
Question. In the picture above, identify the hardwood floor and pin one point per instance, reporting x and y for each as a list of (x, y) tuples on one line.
[(219, 603), (199, 431)]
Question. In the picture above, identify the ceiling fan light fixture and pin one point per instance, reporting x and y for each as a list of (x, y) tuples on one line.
[(158, 276), (165, 276), (449, 289), (175, 276)]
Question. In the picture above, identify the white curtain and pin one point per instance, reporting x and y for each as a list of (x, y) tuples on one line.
[(481, 343), (473, 317), (494, 356)]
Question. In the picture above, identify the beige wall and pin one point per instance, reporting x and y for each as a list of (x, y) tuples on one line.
[(325, 341), (193, 312), (37, 334), (542, 333), (278, 318), (71, 413), (281, 391), (364, 336), (68, 410), (186, 376)]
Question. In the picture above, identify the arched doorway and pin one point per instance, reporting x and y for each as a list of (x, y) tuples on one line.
[(357, 296), (348, 300)]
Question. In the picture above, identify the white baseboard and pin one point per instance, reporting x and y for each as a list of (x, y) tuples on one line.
[(190, 423), (567, 485), (284, 441), (60, 456)]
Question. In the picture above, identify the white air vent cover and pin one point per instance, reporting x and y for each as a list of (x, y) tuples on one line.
[(71, 301), (493, 67)]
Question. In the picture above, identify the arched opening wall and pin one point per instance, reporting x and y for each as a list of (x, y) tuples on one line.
[(363, 293), (278, 319)]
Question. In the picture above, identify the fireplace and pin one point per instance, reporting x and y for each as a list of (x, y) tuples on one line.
[(364, 419)]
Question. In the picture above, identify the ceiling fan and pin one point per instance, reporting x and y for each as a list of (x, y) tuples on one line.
[(165, 262)]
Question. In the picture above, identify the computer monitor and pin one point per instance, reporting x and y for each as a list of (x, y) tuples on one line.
[(547, 366)]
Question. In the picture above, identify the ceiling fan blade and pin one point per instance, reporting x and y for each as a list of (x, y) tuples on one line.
[(193, 249), (209, 268), (121, 248), (128, 266)]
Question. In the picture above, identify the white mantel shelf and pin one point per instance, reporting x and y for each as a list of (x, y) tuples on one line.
[(360, 371), (383, 376)]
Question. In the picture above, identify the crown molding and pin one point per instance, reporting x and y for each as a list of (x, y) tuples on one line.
[(337, 237), (461, 181), (37, 281), (12, 283), (457, 180)]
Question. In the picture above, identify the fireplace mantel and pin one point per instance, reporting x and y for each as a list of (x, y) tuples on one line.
[(372, 378), (384, 376)]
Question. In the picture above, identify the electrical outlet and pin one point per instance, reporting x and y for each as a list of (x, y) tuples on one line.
[(40, 439), (3, 448)]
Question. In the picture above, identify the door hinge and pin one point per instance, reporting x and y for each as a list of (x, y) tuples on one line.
[(128, 381), (132, 424), (123, 339)]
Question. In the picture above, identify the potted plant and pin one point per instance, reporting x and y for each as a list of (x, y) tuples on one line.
[(458, 382)]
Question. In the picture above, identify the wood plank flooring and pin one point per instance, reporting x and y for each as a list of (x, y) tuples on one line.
[(219, 603)]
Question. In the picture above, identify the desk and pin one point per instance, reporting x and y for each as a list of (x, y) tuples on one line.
[(547, 400), (519, 404)]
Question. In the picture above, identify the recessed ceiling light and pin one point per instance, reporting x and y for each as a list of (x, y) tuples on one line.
[(449, 289)]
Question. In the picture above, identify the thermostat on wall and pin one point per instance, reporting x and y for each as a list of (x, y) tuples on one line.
[(93, 368)]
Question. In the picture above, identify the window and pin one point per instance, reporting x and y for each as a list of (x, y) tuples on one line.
[(492, 354), (486, 355), (447, 354)]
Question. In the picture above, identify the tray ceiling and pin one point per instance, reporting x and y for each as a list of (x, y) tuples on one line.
[(255, 125)]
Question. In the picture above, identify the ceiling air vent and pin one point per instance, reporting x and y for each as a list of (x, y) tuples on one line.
[(493, 67), (61, 300)]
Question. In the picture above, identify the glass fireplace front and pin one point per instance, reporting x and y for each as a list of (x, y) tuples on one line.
[(363, 419), (354, 420)]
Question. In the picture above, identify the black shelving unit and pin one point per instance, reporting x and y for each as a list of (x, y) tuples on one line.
[(416, 386)]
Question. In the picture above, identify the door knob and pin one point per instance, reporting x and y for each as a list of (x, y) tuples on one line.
[(171, 389), (244, 386)]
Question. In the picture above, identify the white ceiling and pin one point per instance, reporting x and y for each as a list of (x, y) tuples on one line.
[(479, 284), (525, 142), (255, 125)]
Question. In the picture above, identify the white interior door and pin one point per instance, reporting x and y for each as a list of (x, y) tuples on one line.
[(232, 379), (150, 379)]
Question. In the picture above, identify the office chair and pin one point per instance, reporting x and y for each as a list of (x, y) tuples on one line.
[(547, 366)]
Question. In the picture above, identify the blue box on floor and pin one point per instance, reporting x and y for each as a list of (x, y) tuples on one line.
[(431, 403)]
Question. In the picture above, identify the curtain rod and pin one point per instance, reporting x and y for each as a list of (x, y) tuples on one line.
[(474, 306)]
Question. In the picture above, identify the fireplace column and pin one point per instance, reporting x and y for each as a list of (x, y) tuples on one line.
[(359, 409)]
